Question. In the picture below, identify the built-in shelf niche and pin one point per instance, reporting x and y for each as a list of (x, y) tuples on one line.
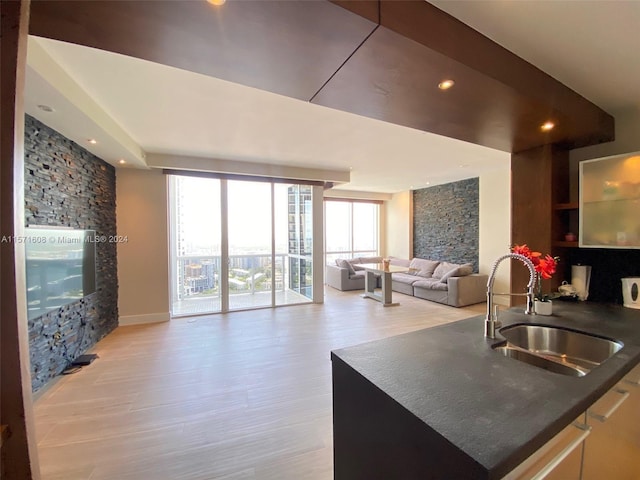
[(566, 221)]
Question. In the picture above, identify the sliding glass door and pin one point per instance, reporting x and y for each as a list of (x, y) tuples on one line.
[(239, 244), (250, 244), (196, 235)]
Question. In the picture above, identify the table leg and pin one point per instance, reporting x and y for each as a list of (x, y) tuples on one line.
[(387, 291), (370, 284)]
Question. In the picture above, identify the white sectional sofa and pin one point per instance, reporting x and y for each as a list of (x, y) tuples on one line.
[(443, 282), (346, 274)]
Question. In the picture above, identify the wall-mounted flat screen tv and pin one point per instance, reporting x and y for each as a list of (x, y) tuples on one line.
[(60, 267)]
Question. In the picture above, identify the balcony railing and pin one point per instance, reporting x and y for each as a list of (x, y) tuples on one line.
[(252, 276)]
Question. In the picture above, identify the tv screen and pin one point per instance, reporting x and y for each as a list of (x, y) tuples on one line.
[(60, 267)]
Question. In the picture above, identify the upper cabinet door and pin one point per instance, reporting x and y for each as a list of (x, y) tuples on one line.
[(610, 202)]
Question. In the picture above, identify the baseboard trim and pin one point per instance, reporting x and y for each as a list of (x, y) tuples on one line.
[(146, 318)]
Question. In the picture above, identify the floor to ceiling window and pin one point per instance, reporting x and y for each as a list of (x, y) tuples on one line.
[(239, 244), (196, 236), (351, 228)]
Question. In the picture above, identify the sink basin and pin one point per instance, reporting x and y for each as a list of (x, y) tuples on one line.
[(560, 350), (538, 361)]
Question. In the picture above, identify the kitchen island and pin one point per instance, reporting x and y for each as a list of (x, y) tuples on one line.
[(441, 403)]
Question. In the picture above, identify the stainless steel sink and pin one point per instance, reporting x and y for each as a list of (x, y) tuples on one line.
[(560, 350)]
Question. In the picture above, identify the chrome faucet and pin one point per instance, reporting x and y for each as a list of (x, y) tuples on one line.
[(491, 322)]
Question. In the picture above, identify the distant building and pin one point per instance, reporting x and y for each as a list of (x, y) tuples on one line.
[(199, 277), (300, 226)]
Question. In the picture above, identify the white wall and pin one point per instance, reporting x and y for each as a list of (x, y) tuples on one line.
[(398, 220), (143, 261), (495, 226)]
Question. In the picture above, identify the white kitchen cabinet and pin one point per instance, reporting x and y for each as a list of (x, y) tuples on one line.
[(602, 444), (558, 459), (609, 202), (612, 451)]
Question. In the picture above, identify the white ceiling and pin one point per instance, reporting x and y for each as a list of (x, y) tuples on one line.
[(131, 104)]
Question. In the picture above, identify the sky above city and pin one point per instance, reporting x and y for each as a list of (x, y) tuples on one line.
[(249, 216)]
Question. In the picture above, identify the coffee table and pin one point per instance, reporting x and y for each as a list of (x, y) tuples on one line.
[(385, 271)]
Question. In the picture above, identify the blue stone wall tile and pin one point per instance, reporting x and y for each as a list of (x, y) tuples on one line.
[(446, 222), (65, 185)]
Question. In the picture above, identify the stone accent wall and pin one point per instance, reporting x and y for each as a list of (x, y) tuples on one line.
[(65, 185), (446, 222)]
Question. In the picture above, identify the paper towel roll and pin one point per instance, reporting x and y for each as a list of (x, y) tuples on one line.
[(580, 278)]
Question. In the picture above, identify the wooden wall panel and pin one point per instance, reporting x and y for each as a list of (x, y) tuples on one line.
[(534, 189), (19, 457)]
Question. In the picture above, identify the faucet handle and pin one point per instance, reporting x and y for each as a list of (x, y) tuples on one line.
[(496, 310)]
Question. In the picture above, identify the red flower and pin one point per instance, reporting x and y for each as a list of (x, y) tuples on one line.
[(526, 251), (545, 266)]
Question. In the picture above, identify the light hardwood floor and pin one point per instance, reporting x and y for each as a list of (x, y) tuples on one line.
[(244, 395)]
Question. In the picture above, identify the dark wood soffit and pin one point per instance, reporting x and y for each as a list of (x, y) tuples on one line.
[(430, 26), (369, 9), (393, 78), (290, 48), (293, 48)]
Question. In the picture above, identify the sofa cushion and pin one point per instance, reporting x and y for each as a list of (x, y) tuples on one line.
[(423, 268), (446, 270), (404, 278), (400, 262), (370, 260), (430, 284), (344, 263), (358, 260)]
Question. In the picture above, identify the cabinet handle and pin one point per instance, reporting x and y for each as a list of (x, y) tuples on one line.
[(602, 418), (555, 461), (633, 383)]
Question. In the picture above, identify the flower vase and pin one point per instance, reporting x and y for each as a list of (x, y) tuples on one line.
[(543, 308)]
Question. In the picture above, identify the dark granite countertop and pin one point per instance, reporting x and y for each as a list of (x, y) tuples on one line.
[(495, 409)]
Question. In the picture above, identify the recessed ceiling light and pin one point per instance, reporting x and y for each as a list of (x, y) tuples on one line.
[(463, 165), (217, 2), (546, 126), (45, 108), (122, 161), (446, 84), (92, 141)]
